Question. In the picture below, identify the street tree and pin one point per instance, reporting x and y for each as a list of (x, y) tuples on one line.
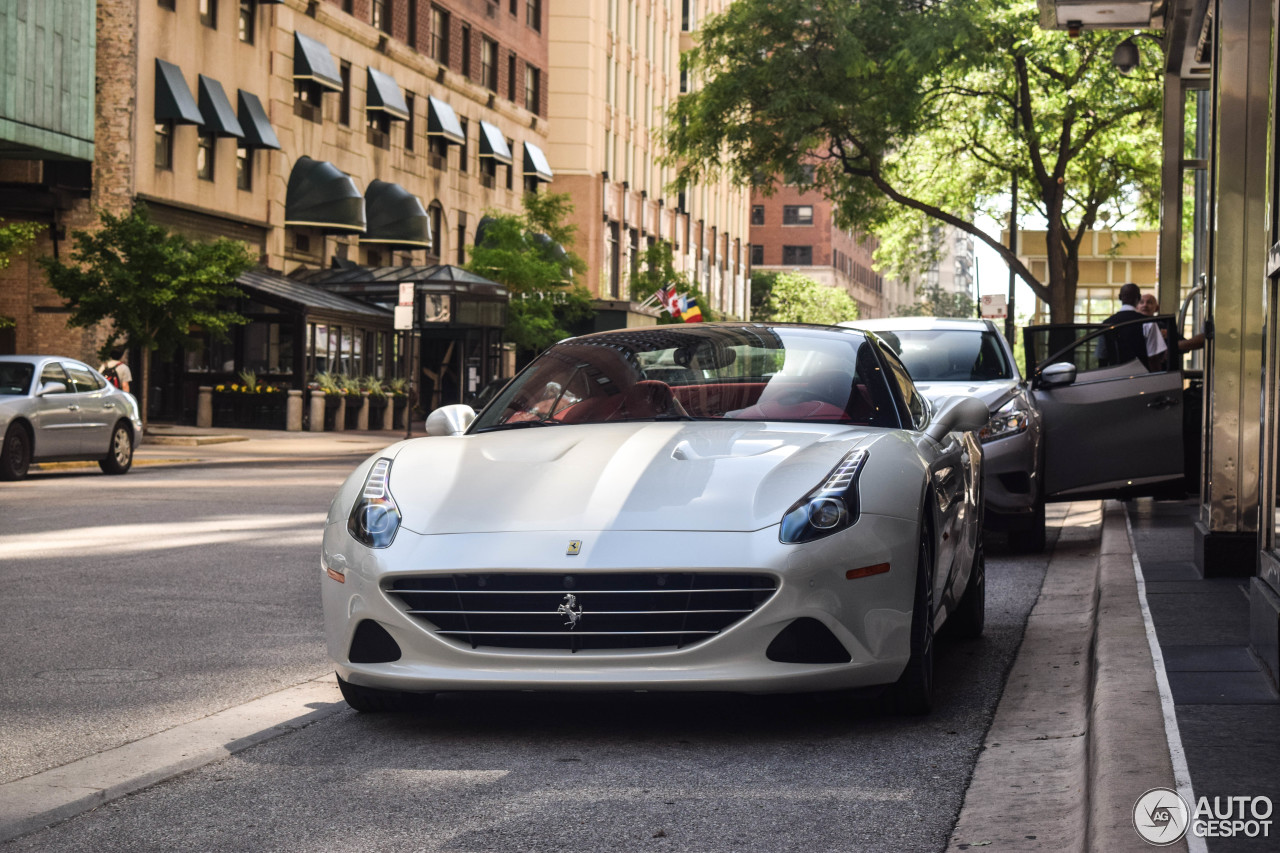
[(911, 113), (796, 298), (532, 256), (157, 289)]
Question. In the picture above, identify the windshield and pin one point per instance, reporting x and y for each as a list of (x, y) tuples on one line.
[(745, 373), (15, 377), (950, 355)]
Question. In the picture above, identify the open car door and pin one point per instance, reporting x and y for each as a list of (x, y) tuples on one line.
[(1110, 430)]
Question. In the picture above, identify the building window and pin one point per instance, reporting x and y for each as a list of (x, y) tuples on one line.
[(413, 24), (379, 128), (164, 145), (511, 77), (488, 172), (514, 7), (440, 35), (489, 64), (532, 89), (244, 169), (248, 15), (436, 214), (410, 124), (438, 152), (511, 146), (797, 256), (209, 13), (466, 52), (797, 214), (205, 151), (380, 17), (307, 98), (462, 237), (167, 4), (757, 214), (757, 255), (344, 97), (533, 14), (464, 150)]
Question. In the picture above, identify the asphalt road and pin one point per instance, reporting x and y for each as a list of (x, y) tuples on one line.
[(137, 603)]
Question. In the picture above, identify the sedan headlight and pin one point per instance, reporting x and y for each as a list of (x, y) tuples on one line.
[(831, 506), (1010, 420), (375, 518)]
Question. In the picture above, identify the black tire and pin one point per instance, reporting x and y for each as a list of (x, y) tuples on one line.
[(15, 455), (970, 616), (1030, 539), (370, 700), (913, 692), (119, 458)]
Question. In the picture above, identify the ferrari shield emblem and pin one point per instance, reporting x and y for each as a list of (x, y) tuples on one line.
[(575, 547)]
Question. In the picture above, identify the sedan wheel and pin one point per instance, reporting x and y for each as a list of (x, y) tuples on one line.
[(913, 692), (119, 457), (369, 700), (15, 457)]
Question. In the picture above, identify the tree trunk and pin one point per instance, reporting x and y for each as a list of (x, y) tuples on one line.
[(146, 385)]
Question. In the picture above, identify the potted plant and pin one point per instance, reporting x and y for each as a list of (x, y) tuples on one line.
[(377, 399)]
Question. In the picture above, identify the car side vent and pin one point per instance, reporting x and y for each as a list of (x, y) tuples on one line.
[(807, 640), (372, 644)]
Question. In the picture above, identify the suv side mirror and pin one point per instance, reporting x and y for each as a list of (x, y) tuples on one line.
[(450, 420), (1057, 375)]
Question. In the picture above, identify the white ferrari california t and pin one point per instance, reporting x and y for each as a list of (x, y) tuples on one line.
[(703, 507)]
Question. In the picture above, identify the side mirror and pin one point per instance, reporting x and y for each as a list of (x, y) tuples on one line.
[(450, 420), (1056, 375), (52, 388), (958, 414)]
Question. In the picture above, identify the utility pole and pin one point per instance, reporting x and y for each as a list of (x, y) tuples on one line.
[(1010, 332)]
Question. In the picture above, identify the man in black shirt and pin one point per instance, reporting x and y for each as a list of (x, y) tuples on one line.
[(1125, 343)]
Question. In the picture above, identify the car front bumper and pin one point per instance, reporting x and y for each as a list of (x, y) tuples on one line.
[(1011, 479), (870, 616)]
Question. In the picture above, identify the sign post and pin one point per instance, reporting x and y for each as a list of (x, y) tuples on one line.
[(404, 324)]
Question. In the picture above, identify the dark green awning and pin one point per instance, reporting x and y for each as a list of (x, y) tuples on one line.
[(173, 99), (383, 95), (320, 195), (258, 132), (219, 118), (442, 121), (535, 164), (313, 61), (494, 144), (396, 217)]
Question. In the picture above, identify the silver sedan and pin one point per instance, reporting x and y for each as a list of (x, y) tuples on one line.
[(55, 409)]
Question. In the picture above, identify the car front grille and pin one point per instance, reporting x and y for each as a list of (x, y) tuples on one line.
[(575, 612)]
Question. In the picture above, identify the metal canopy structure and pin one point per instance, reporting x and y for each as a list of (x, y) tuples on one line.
[(313, 61), (443, 122), (536, 165), (258, 132), (219, 118), (383, 95), (395, 217), (320, 195), (173, 98)]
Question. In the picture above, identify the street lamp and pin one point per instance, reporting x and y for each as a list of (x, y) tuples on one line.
[(1125, 57)]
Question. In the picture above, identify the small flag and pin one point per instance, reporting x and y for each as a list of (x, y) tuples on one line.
[(689, 310), (670, 301)]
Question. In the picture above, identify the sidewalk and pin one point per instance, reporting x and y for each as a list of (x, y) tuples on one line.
[(167, 444), (1133, 674)]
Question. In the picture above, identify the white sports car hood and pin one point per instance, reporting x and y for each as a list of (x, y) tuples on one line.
[(624, 476), (994, 393)]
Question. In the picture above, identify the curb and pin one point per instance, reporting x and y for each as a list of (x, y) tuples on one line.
[(44, 799), (1078, 734)]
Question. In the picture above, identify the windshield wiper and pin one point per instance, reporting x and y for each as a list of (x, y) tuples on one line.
[(518, 425)]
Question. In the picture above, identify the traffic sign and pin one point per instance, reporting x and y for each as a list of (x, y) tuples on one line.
[(995, 306)]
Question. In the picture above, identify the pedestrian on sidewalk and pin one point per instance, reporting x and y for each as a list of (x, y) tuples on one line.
[(116, 371)]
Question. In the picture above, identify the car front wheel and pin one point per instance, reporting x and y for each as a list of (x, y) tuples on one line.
[(370, 700), (119, 458), (15, 455), (913, 692)]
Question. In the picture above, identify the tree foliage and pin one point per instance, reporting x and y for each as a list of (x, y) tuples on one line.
[(532, 256), (796, 298), (915, 113), (156, 288), (15, 238)]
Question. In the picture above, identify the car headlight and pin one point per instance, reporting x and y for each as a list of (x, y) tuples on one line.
[(1010, 420), (375, 518), (829, 507)]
